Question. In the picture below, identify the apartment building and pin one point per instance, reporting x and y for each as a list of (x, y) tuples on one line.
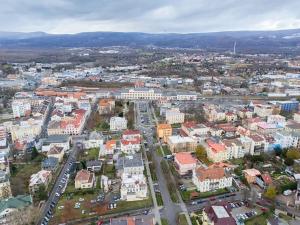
[(140, 93), (26, 129), (181, 144), (164, 131), (194, 130), (263, 110), (216, 150), (185, 163), (133, 187), (258, 144), (210, 179), (174, 116), (130, 164), (117, 123), (21, 107), (106, 106)]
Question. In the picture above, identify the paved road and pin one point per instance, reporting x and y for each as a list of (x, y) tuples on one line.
[(53, 199), (183, 208), (156, 209)]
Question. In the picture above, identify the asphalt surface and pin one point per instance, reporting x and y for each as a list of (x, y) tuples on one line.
[(59, 185), (145, 123), (144, 129)]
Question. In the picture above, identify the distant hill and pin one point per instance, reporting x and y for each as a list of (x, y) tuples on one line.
[(19, 35), (246, 41)]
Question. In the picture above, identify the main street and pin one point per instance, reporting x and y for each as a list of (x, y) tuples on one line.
[(146, 124), (138, 125)]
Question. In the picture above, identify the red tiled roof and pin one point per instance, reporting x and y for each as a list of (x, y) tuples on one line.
[(55, 150), (210, 173), (256, 137), (216, 147), (134, 141), (185, 158), (83, 176), (131, 132)]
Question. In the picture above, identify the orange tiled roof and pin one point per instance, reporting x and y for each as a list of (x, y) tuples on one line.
[(164, 126), (185, 158), (210, 173), (216, 147)]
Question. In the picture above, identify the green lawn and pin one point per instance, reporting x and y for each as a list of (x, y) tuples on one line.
[(159, 152), (20, 176), (185, 195), (90, 154), (166, 150), (159, 199), (212, 193), (125, 206), (109, 171), (164, 221), (258, 220), (182, 220), (152, 171)]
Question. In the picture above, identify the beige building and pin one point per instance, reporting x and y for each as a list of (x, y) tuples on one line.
[(181, 144), (164, 131), (56, 152), (174, 116), (84, 179)]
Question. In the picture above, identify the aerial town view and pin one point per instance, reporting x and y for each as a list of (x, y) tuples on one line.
[(150, 112)]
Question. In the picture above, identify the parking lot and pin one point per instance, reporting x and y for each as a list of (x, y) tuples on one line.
[(241, 212)]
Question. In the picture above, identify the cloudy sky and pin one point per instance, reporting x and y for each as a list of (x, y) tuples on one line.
[(155, 16)]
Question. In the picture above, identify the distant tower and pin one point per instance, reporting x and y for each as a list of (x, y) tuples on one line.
[(234, 48)]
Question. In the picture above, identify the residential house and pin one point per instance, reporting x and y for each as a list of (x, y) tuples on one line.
[(108, 148), (42, 177), (196, 131), (130, 164), (94, 165), (230, 117), (130, 146), (133, 187), (94, 140), (50, 163), (56, 152), (251, 174), (258, 144), (217, 214), (264, 180), (57, 140), (84, 179), (263, 110), (234, 148), (136, 220), (185, 163), (106, 106)]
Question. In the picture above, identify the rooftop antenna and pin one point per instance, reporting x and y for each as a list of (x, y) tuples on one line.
[(234, 48)]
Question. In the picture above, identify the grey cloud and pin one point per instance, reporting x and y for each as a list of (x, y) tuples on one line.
[(71, 16)]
